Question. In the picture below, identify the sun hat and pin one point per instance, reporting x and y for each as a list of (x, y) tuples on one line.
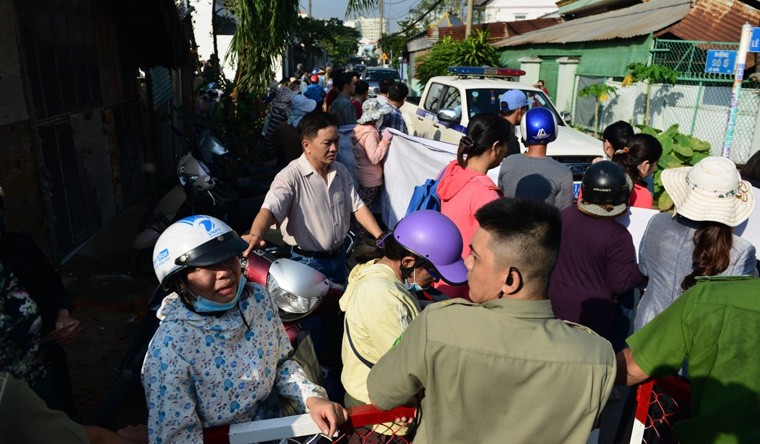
[(606, 189), (373, 110), (512, 100), (282, 98), (299, 107), (711, 190)]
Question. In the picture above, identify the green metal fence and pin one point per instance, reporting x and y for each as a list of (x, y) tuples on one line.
[(698, 103)]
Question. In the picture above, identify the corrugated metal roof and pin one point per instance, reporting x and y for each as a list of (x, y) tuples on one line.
[(623, 23), (714, 21)]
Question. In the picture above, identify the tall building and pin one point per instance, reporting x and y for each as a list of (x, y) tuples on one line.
[(370, 29), (513, 10)]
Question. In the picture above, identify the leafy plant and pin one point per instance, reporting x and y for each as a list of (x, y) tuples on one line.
[(600, 92), (678, 150), (640, 72), (472, 51)]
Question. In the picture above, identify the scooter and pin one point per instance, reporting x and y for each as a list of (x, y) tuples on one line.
[(206, 185)]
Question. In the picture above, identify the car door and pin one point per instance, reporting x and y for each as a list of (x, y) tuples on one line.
[(426, 116)]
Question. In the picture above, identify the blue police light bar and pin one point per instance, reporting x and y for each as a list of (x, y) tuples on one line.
[(485, 71)]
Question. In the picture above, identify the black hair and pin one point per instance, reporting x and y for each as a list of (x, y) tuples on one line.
[(314, 121), (361, 87), (640, 147), (617, 134), (751, 170), (398, 91), (384, 86), (529, 230), (343, 79), (482, 131)]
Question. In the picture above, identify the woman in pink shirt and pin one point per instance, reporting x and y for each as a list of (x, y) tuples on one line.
[(465, 187), (639, 160)]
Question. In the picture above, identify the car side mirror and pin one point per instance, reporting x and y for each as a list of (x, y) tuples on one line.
[(449, 116), (566, 117)]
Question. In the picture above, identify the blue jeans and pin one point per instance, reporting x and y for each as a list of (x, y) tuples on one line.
[(333, 268), (327, 329)]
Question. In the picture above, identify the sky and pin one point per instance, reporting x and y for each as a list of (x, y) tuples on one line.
[(395, 10)]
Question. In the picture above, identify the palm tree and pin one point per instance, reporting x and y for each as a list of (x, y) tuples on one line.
[(262, 34)]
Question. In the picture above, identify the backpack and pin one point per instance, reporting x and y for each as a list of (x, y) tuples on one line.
[(425, 196)]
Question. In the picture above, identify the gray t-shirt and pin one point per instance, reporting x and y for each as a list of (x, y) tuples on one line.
[(344, 110), (539, 178)]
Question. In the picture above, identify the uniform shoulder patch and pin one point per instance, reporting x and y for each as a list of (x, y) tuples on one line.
[(580, 327)]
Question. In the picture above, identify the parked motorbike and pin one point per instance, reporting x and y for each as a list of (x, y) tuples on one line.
[(207, 184)]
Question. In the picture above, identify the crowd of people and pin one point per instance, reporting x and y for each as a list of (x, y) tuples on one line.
[(537, 286)]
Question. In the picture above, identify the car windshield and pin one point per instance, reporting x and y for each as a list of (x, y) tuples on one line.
[(487, 101), (381, 74)]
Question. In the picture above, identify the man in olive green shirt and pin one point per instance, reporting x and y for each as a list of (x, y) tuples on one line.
[(714, 324), (500, 368)]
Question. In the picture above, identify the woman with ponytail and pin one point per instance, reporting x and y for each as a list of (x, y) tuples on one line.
[(639, 160), (465, 187), (710, 199)]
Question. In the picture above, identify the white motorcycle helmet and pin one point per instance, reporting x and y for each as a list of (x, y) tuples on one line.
[(195, 241), (192, 170)]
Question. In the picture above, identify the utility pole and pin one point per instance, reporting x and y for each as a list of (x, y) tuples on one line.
[(309, 8), (381, 29), (468, 24)]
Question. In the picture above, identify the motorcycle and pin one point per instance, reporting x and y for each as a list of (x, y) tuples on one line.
[(206, 185)]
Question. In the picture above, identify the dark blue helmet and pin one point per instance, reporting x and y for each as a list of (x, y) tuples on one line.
[(538, 127)]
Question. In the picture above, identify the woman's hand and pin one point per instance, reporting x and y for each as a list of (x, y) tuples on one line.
[(66, 328), (327, 415)]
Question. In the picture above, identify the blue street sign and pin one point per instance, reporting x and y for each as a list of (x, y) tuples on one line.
[(720, 61), (754, 41)]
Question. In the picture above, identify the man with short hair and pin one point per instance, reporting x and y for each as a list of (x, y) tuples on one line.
[(397, 93), (312, 200), (714, 325), (516, 373), (532, 174), (513, 104), (382, 91), (342, 106)]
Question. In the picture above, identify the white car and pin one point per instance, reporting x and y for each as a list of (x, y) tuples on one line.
[(448, 103)]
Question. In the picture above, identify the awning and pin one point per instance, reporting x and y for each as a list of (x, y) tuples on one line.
[(638, 20)]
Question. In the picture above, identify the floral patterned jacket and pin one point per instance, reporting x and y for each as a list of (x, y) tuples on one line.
[(203, 371)]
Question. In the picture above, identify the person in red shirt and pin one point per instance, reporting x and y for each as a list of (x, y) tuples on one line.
[(639, 160)]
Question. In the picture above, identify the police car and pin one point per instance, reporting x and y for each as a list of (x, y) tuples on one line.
[(448, 103)]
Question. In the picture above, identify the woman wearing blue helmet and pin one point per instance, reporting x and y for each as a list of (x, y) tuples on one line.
[(531, 174)]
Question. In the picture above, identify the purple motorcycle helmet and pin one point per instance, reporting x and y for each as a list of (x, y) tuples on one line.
[(434, 238)]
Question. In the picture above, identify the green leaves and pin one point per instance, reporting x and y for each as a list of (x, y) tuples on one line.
[(678, 150), (472, 51), (653, 73)]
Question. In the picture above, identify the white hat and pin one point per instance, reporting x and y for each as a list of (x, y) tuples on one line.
[(373, 110), (299, 107), (711, 190)]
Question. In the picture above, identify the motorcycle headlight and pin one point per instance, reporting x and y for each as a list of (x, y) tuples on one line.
[(296, 288)]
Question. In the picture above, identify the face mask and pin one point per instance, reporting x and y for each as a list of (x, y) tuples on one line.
[(203, 305), (414, 286)]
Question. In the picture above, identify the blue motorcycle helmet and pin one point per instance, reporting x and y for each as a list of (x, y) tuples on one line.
[(538, 127)]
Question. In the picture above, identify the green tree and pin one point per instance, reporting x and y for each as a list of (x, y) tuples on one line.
[(640, 72), (263, 29), (600, 92), (472, 51), (339, 41)]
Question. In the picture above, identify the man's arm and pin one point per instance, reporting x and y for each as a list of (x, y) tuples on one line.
[(260, 225), (628, 372), (367, 220)]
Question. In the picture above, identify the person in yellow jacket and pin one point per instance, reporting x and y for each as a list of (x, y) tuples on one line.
[(380, 300)]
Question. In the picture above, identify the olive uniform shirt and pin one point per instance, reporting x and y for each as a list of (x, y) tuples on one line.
[(714, 324), (499, 372)]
